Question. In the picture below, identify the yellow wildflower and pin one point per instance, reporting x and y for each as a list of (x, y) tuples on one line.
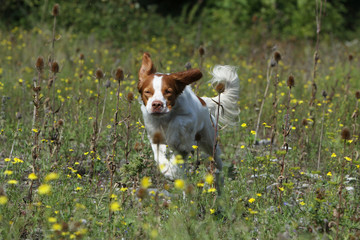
[(145, 182), (251, 200), (44, 189), (179, 184), (32, 176), (3, 200), (51, 176), (8, 172), (209, 179), (12, 182), (57, 227), (52, 220), (210, 190), (115, 206)]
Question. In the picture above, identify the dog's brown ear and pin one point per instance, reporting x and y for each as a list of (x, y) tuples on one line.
[(147, 67), (187, 77)]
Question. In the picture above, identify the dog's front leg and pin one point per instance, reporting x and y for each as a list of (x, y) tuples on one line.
[(168, 167)]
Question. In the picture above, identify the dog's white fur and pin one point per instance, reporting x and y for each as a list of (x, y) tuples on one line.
[(189, 117)]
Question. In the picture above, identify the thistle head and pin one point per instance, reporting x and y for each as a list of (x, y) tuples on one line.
[(291, 81), (220, 88), (130, 96), (99, 74), (40, 64), (56, 10), (345, 134), (357, 94), (277, 56), (201, 51), (119, 74), (55, 67)]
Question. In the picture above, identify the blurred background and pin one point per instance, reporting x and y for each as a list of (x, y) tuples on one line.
[(199, 22)]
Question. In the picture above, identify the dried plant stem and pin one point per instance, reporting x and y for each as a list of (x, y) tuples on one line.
[(212, 166), (128, 131), (53, 41), (112, 168), (286, 132), (275, 102), (268, 78), (35, 152), (321, 134), (103, 112), (94, 137), (319, 10), (116, 122), (348, 77), (341, 186)]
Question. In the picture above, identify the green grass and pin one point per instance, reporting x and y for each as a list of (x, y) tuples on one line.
[(79, 206)]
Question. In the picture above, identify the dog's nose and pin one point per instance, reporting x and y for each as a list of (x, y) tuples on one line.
[(157, 104)]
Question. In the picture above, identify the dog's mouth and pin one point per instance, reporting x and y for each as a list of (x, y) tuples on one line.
[(158, 113)]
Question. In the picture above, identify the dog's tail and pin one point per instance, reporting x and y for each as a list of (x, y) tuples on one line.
[(229, 110)]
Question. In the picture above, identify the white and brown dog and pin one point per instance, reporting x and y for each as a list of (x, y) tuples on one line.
[(172, 109)]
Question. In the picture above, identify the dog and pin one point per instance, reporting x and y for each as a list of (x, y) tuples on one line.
[(177, 119)]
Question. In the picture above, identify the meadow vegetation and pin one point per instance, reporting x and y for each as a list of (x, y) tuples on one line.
[(75, 161)]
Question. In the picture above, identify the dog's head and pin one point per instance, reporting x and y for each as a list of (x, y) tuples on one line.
[(159, 91)]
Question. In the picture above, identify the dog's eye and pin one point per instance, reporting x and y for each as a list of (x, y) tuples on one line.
[(168, 91), (147, 91)]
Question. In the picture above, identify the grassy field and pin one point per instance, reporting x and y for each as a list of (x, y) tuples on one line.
[(76, 162)]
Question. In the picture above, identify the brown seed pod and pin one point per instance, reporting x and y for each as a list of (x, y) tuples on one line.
[(82, 57), (201, 51), (220, 88), (56, 10), (119, 74), (165, 204), (357, 94), (130, 96), (158, 138), (277, 56), (99, 74), (40, 64), (351, 57), (304, 122), (142, 193), (60, 122), (345, 133), (324, 93), (55, 67), (291, 81)]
